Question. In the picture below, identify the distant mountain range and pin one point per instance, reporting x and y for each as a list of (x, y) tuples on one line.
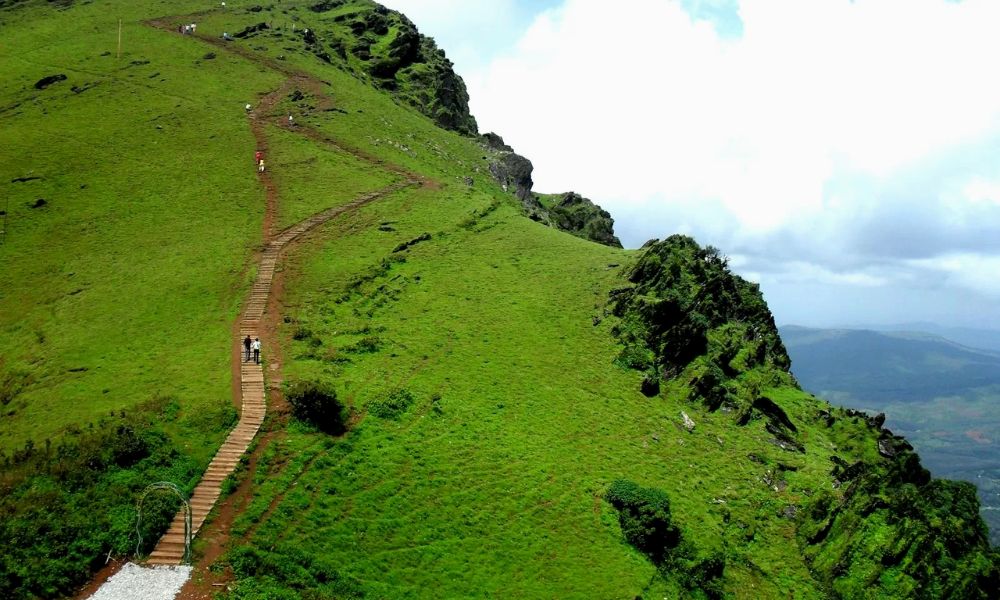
[(984, 339), (884, 367), (944, 396)]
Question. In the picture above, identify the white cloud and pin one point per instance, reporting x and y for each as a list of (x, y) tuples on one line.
[(824, 116), (980, 190), (972, 271), (652, 102)]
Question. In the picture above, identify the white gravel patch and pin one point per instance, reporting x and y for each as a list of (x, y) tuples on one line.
[(144, 583)]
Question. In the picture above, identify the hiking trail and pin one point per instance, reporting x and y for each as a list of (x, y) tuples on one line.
[(171, 547)]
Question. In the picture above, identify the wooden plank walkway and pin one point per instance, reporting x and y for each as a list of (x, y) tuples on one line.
[(170, 549)]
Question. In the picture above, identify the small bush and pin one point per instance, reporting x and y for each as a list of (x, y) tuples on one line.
[(366, 345), (644, 515), (316, 403), (634, 356), (392, 405)]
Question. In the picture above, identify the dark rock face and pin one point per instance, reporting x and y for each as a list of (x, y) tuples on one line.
[(45, 82), (581, 217), (251, 30), (513, 172), (326, 6), (495, 142), (573, 213), (650, 387)]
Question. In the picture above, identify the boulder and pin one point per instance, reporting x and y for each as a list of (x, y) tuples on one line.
[(650, 387), (252, 29), (325, 6), (688, 422), (45, 82)]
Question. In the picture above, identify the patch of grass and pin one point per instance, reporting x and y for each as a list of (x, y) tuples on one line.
[(392, 406), (312, 177)]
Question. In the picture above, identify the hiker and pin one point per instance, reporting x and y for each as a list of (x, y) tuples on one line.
[(246, 345), (258, 155), (256, 351), (248, 107), (291, 120), (260, 166), (192, 26), (226, 36)]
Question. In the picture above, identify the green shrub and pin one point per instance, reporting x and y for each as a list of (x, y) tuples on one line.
[(316, 403), (365, 345), (634, 356), (644, 515), (301, 334), (392, 405)]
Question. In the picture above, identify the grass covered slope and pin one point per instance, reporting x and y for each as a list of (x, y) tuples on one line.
[(530, 414), (132, 210)]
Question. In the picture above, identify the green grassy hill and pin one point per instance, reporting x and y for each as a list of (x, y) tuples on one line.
[(530, 414)]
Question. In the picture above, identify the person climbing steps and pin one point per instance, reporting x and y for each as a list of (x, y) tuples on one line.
[(256, 350), (247, 343)]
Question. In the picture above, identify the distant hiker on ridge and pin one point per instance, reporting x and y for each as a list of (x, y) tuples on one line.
[(291, 121), (256, 351), (260, 166), (246, 345), (258, 155)]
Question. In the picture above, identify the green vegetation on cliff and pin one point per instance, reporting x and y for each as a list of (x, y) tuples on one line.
[(575, 214), (496, 376)]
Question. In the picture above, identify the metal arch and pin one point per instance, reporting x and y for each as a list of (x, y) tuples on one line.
[(188, 529)]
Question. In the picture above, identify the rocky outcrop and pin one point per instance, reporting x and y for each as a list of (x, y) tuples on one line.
[(581, 217), (571, 213), (513, 172), (385, 46)]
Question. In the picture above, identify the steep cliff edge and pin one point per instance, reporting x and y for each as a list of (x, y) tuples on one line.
[(879, 525)]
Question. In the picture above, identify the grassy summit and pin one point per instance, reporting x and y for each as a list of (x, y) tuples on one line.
[(530, 413)]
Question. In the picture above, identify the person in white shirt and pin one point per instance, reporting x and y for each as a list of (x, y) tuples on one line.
[(255, 346)]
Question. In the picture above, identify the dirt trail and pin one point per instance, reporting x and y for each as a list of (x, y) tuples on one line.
[(255, 319)]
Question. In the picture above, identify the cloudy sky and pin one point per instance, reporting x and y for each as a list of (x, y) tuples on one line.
[(846, 155)]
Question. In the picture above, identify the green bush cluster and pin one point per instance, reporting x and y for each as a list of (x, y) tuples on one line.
[(316, 403), (64, 506), (391, 406), (286, 572), (366, 345), (644, 516)]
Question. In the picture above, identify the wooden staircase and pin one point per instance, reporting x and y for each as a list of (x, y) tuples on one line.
[(170, 549)]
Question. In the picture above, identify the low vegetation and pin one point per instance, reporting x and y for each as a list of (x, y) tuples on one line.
[(68, 505), (316, 403)]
